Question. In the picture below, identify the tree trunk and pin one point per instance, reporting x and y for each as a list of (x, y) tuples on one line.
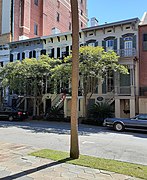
[(74, 146)]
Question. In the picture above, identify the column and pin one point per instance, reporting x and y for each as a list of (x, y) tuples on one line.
[(65, 107), (132, 80), (27, 54), (38, 51), (55, 52), (15, 56), (132, 107), (117, 108)]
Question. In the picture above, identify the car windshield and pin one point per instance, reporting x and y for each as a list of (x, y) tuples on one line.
[(140, 116)]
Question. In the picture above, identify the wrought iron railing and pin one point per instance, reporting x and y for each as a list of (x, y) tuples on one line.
[(131, 52)]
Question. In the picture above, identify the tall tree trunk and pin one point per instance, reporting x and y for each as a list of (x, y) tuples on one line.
[(74, 146)]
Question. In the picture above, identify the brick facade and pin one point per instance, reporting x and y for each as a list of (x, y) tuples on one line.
[(42, 19), (0, 15), (142, 60)]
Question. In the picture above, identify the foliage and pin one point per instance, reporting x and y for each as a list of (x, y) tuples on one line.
[(29, 76), (17, 75), (101, 110), (53, 112), (93, 67), (94, 64), (135, 170)]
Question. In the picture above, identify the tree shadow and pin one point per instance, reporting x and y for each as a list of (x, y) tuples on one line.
[(64, 128), (53, 127), (36, 169)]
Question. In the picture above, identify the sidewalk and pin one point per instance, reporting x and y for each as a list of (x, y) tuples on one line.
[(16, 164)]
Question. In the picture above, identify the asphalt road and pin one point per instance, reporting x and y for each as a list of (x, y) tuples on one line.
[(95, 141)]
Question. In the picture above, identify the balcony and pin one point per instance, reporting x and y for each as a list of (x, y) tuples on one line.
[(131, 52)]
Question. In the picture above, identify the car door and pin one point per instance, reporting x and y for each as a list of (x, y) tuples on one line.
[(137, 122), (132, 122), (142, 121)]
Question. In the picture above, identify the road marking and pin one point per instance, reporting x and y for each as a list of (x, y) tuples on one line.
[(87, 142)]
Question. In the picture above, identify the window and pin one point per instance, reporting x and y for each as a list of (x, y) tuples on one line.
[(81, 24), (23, 55), (43, 52), (145, 42), (81, 13), (109, 44), (91, 44), (36, 2), (11, 57), (69, 26), (18, 56), (58, 17), (1, 64), (35, 29), (128, 43)]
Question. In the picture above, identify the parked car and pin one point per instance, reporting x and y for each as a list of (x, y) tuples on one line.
[(120, 124), (8, 113)]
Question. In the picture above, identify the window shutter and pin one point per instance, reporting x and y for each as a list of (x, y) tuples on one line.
[(121, 43), (67, 50), (115, 44), (96, 43), (134, 41), (58, 52), (52, 53), (11, 57), (104, 45), (18, 56)]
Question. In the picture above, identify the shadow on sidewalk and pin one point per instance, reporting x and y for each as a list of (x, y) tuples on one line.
[(33, 170)]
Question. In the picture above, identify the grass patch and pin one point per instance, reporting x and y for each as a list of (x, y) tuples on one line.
[(130, 169)]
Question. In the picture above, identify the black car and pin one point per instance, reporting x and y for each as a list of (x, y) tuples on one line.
[(8, 113), (138, 122)]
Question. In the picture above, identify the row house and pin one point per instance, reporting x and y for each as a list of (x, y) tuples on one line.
[(142, 31), (121, 91)]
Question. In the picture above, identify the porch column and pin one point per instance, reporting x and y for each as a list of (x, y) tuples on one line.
[(117, 108), (55, 52), (132, 80), (116, 83), (27, 53), (15, 56), (100, 87), (65, 108), (38, 51), (132, 107)]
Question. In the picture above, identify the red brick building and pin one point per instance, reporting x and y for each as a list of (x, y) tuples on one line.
[(22, 19), (142, 30)]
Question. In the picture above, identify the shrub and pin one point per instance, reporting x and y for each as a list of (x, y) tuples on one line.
[(100, 111)]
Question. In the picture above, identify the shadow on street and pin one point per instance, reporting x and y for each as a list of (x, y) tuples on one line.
[(64, 128)]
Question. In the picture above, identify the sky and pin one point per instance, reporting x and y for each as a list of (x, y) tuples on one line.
[(116, 10)]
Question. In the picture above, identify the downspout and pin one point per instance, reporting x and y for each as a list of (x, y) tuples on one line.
[(12, 20)]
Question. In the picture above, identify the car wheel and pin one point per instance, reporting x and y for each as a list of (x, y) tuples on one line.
[(11, 118), (119, 126)]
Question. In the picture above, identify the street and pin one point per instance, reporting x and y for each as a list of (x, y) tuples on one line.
[(95, 141)]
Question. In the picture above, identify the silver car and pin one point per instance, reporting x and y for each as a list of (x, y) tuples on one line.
[(138, 122)]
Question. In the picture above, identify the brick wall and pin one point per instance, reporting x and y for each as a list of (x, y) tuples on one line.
[(142, 58), (0, 16), (44, 15)]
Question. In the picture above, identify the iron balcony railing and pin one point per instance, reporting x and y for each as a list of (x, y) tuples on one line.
[(131, 52)]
